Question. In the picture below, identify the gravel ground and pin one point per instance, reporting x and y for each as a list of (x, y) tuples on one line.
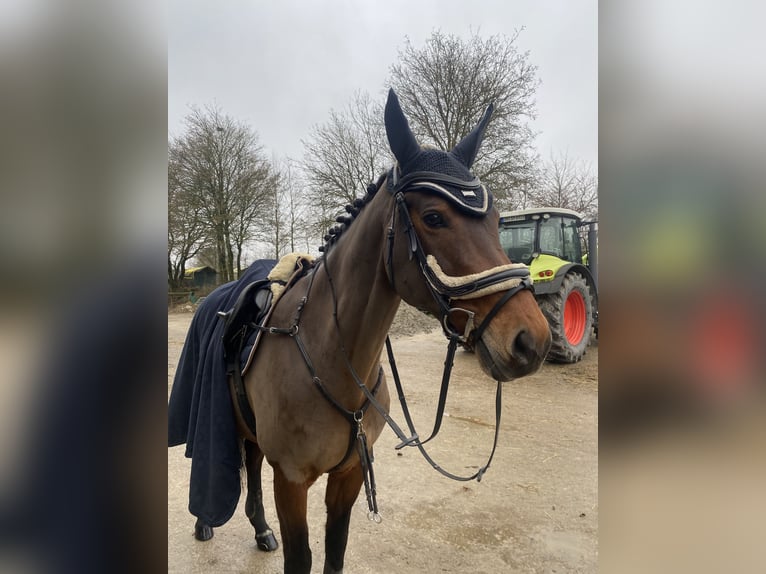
[(536, 510)]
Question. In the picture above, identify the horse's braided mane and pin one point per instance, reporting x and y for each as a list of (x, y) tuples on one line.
[(352, 210)]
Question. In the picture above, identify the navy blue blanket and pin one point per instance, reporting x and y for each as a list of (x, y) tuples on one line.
[(200, 411)]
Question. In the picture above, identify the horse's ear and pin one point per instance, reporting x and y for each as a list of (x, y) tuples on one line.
[(468, 147), (400, 137)]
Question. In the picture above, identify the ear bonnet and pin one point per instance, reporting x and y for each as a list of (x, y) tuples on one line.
[(444, 173)]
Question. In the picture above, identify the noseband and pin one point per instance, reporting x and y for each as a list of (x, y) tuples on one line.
[(511, 278)]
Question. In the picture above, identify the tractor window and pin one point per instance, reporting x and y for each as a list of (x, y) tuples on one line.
[(518, 241), (572, 249), (551, 237)]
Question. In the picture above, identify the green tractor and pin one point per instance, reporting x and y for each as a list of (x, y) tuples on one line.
[(560, 248)]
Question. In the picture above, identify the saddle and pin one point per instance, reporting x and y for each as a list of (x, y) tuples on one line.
[(249, 310), (245, 322)]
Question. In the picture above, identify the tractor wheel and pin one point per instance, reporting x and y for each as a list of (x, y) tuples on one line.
[(570, 316)]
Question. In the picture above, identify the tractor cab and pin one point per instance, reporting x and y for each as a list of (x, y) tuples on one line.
[(563, 266), (529, 233)]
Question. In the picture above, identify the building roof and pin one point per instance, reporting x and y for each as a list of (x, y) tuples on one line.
[(191, 271)]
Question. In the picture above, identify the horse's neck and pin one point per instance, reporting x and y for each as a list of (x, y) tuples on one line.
[(366, 302)]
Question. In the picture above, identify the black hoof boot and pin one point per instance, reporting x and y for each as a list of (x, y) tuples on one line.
[(202, 531), (266, 541)]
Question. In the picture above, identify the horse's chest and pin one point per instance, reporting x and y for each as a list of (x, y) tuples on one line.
[(307, 437)]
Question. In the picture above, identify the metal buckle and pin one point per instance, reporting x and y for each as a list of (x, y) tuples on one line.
[(450, 330)]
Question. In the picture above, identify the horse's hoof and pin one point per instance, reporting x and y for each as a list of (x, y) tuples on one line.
[(266, 541), (203, 532)]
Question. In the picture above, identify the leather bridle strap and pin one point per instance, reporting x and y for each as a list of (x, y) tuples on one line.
[(405, 410), (526, 283), (474, 286), (450, 359), (406, 440), (442, 295), (414, 248)]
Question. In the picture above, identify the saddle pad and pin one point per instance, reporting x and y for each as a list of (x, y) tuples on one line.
[(285, 270), (290, 268)]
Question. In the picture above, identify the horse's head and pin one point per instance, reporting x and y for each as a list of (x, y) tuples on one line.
[(445, 256)]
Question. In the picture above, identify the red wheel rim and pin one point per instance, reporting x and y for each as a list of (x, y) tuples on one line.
[(574, 318)]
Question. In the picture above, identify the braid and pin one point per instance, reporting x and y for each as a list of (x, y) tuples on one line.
[(352, 210)]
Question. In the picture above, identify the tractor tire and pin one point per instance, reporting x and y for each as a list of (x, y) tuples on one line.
[(570, 316)]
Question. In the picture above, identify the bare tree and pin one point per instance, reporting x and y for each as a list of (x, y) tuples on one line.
[(251, 212), (186, 227), (294, 206), (342, 156), (287, 226), (446, 85), (569, 183), (222, 170), (275, 233)]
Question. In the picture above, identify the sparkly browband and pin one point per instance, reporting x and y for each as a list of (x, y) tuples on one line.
[(472, 196)]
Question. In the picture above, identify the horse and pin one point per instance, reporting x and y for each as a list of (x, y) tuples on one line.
[(427, 233)]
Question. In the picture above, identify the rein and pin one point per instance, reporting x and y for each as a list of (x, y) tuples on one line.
[(440, 411)]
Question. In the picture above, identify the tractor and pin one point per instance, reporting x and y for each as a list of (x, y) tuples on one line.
[(560, 247)]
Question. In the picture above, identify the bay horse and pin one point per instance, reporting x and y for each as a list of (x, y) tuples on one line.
[(427, 233)]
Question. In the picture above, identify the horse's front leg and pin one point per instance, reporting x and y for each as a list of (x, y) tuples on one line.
[(291, 500), (342, 490)]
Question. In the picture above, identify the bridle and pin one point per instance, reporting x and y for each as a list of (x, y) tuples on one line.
[(511, 278)]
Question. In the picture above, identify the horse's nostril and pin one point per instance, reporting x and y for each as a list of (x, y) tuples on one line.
[(523, 347)]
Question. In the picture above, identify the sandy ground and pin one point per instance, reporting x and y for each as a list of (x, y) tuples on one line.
[(536, 509)]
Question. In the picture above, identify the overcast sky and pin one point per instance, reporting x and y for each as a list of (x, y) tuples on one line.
[(281, 65)]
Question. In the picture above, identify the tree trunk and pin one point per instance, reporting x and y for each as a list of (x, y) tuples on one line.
[(239, 260), (229, 255)]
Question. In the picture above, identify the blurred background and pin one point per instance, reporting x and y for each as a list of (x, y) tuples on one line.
[(83, 183), (682, 431), (83, 180)]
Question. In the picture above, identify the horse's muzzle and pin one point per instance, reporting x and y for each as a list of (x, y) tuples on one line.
[(524, 357)]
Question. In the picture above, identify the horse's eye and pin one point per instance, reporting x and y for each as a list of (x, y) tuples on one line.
[(433, 219)]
